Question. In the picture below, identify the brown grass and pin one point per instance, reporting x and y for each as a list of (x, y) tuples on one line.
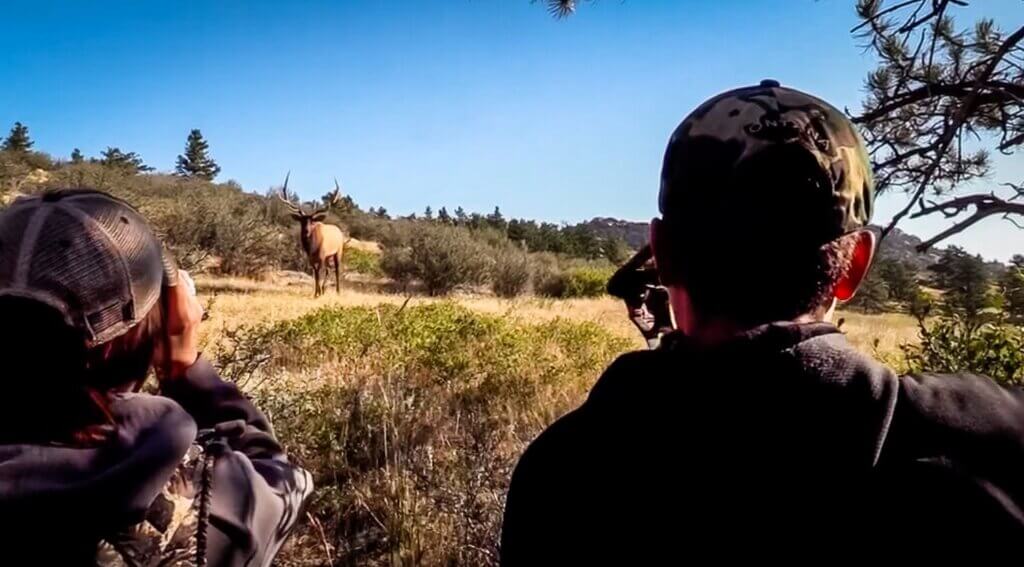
[(237, 301)]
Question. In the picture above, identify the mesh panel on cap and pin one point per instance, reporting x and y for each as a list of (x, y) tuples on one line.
[(131, 235), (73, 262), (13, 226)]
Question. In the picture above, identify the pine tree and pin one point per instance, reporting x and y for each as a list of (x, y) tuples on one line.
[(899, 280), (1012, 286), (129, 162), (460, 215), (963, 279), (428, 213), (443, 216), (18, 140), (496, 220), (76, 156), (873, 294), (196, 162)]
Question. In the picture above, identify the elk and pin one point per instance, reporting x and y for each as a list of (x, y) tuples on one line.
[(322, 243)]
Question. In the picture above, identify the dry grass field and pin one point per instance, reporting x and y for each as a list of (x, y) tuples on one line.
[(237, 301)]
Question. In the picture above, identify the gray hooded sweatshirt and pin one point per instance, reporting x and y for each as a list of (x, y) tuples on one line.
[(62, 505)]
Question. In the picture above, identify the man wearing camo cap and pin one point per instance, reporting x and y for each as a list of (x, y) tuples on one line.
[(755, 429)]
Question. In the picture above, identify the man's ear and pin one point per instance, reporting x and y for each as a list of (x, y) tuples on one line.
[(860, 262)]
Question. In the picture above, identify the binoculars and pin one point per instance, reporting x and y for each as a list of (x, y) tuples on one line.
[(636, 283)]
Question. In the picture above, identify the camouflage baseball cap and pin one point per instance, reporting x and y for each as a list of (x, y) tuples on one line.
[(767, 158)]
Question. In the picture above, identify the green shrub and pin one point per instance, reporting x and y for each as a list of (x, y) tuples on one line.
[(362, 262), (586, 282), (204, 224), (441, 257), (226, 224), (510, 274), (411, 420), (962, 343), (576, 278)]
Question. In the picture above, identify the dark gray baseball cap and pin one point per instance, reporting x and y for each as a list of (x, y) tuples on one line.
[(89, 255)]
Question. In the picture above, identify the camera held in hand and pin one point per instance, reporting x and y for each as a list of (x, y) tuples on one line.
[(637, 284)]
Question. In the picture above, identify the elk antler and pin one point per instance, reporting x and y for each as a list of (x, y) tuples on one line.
[(333, 199), (284, 196)]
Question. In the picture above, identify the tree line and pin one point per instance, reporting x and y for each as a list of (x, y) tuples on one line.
[(195, 162), (578, 241), (958, 283)]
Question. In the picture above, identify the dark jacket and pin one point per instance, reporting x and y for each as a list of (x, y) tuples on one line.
[(58, 502), (783, 443)]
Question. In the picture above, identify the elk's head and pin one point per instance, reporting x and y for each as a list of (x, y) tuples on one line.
[(307, 220)]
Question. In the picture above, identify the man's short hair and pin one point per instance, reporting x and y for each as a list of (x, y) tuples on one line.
[(756, 282)]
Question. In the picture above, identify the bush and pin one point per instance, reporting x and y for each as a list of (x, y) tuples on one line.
[(960, 343), (548, 280), (441, 257), (586, 282), (203, 224), (510, 274), (362, 262), (411, 421), (224, 224)]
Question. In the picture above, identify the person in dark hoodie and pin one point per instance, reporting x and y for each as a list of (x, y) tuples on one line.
[(93, 472), (754, 431)]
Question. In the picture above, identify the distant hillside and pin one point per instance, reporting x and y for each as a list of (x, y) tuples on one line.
[(633, 233), (898, 245)]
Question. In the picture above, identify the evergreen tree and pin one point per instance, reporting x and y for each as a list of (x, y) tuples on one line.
[(940, 79), (873, 294), (18, 140), (899, 281), (1012, 287), (382, 213), (496, 220), (963, 279), (76, 156), (128, 162), (616, 250), (517, 231), (196, 162), (443, 216), (460, 215), (428, 213)]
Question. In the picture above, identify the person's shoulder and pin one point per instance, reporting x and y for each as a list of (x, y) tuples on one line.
[(962, 406), (566, 437), (626, 375)]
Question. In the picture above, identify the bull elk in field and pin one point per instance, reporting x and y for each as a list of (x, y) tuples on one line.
[(322, 243)]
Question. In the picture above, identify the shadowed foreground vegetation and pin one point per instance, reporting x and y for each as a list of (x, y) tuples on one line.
[(411, 420)]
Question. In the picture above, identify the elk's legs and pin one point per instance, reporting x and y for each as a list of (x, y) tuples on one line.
[(337, 273), (316, 281)]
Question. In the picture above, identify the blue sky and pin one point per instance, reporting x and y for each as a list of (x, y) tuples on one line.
[(412, 103)]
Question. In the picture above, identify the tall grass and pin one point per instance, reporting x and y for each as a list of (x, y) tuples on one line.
[(411, 419)]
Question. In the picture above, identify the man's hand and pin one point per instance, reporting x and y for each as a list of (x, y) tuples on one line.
[(652, 315), (177, 344)]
